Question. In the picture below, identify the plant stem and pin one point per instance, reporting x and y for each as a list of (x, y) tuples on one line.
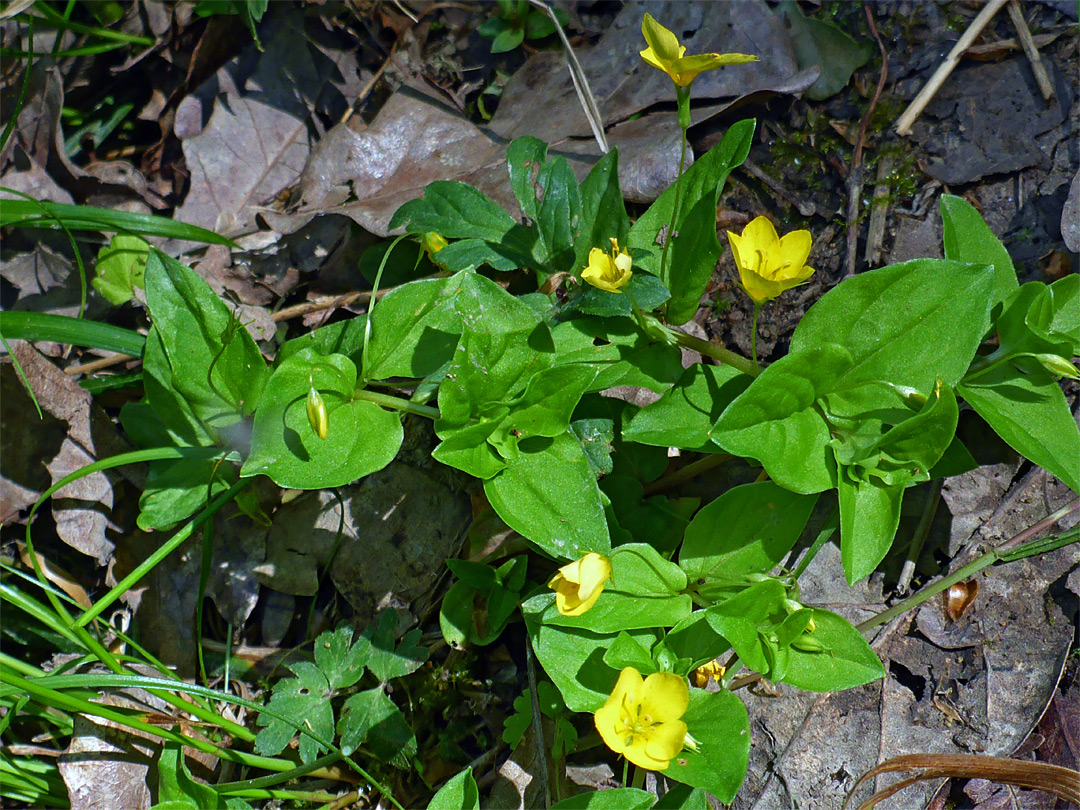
[(397, 403), (718, 353), (753, 335), (684, 474), (1001, 553), (683, 97)]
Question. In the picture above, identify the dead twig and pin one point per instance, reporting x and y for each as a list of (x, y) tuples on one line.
[(903, 125), (855, 175), (1032, 53), (320, 304), (97, 365)]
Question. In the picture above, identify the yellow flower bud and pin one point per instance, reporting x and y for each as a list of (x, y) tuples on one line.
[(318, 416), (1058, 366)]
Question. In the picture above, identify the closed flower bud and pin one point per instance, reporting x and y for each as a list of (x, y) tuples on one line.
[(318, 416), (1058, 366)]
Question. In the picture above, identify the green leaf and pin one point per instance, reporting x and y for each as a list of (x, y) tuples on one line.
[(817, 42), (847, 660), (626, 798), (525, 157), (455, 211), (685, 414), (168, 404), (73, 331), (460, 793), (177, 489), (693, 258), (176, 785), (339, 659), (739, 619), (362, 437), (458, 211), (341, 337), (968, 239), (507, 40), (683, 797), (1028, 318), (869, 516), (695, 638), (503, 344), (414, 330), (703, 179), (910, 324), (389, 659), (747, 530), (775, 420), (549, 400), (603, 211), (718, 721), (469, 448), (1055, 314), (120, 267), (371, 719), (27, 214), (305, 702), (557, 215), (573, 658), (645, 590), (1031, 414), (619, 351), (548, 494), (627, 652), (210, 359)]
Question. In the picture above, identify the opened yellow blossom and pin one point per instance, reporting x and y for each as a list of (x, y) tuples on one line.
[(665, 52), (769, 265), (641, 719), (609, 271), (578, 585)]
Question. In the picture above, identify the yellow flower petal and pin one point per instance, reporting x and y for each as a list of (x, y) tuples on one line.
[(662, 42), (795, 248), (665, 694), (666, 741)]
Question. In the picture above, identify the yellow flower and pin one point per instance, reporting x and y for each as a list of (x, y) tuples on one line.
[(665, 52), (767, 264), (609, 272), (641, 718), (702, 674), (577, 585)]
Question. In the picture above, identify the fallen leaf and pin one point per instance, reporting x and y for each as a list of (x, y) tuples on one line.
[(83, 508), (259, 132)]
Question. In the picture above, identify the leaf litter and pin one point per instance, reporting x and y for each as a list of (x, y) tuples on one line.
[(257, 128)]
